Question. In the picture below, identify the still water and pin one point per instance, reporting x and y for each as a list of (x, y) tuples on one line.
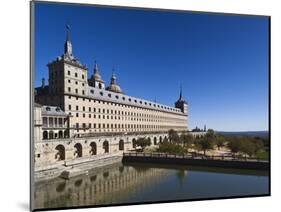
[(133, 183)]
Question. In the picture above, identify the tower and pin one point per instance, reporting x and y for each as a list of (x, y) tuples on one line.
[(181, 103), (67, 76), (96, 80)]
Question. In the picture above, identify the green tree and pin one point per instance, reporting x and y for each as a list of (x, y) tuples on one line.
[(247, 146), (169, 147), (143, 142), (234, 144), (220, 141), (187, 140), (173, 136), (204, 144)]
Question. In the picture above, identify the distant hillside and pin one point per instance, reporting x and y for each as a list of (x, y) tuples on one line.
[(245, 133)]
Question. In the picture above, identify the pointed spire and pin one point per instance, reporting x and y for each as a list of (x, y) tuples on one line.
[(113, 77), (67, 44), (180, 92), (96, 68), (67, 32)]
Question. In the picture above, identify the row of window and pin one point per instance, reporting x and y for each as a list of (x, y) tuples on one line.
[(76, 82), (75, 74), (76, 90), (136, 101), (130, 118), (124, 126), (122, 105)]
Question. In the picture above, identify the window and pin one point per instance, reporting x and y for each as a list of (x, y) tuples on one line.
[(82, 76), (48, 108), (69, 89), (83, 92), (69, 81), (69, 107), (76, 90), (77, 107), (68, 72), (109, 95), (77, 114), (90, 109), (83, 108), (76, 83), (101, 93), (76, 75)]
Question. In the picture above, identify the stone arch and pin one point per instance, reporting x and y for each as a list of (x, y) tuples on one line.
[(45, 135), (134, 143), (51, 134), (66, 133), (149, 139), (93, 150), (155, 141), (78, 150), (160, 139), (60, 134), (60, 152), (105, 146), (121, 145)]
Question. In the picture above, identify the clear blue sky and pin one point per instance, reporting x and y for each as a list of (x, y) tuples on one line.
[(221, 61)]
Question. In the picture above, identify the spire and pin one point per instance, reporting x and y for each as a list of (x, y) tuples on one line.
[(96, 74), (180, 92), (96, 68), (113, 77), (67, 44), (67, 32)]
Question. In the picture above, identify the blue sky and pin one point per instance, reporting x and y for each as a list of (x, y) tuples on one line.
[(221, 60)]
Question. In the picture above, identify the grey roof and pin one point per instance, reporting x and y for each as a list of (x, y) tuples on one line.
[(53, 111), (105, 95)]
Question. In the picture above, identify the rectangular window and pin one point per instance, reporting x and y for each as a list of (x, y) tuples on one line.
[(77, 114), (68, 72), (77, 107), (83, 108), (69, 107), (69, 89)]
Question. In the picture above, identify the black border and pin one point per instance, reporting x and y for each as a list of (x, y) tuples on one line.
[(31, 148)]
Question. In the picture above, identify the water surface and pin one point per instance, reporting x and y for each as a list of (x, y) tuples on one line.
[(134, 183)]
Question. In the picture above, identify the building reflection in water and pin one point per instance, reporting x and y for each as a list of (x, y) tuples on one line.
[(107, 185)]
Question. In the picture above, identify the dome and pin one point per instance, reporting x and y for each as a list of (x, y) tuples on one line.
[(114, 88)]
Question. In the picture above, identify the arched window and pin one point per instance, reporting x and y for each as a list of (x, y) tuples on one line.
[(155, 141), (45, 135), (121, 145), (134, 142), (105, 146), (51, 135), (100, 86), (60, 152), (60, 134), (77, 150), (93, 150)]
